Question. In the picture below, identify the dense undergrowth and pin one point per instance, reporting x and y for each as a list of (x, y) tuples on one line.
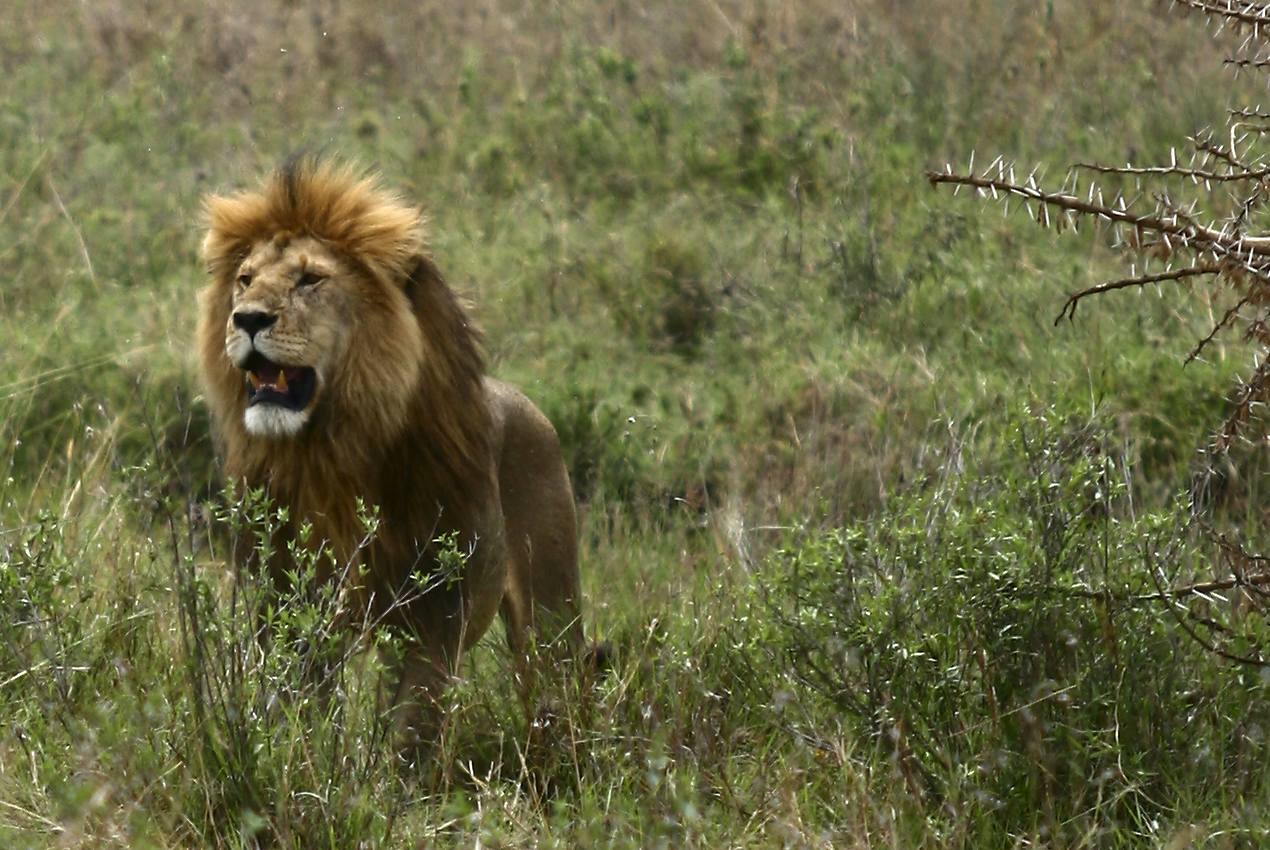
[(1002, 633), (882, 552)]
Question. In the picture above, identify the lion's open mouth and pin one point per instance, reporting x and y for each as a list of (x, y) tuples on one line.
[(286, 386)]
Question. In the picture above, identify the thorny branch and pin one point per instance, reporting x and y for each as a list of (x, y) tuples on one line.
[(1167, 219), (1237, 12), (1069, 308)]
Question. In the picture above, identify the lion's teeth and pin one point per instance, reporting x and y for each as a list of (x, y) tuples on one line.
[(282, 381), (254, 379)]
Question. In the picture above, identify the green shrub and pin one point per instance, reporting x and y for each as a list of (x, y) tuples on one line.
[(280, 729), (994, 633), (598, 448)]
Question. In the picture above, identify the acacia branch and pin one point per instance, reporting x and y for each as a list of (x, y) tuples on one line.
[(1217, 326), (1239, 11), (1248, 394), (1255, 64), (1248, 112), (1198, 236), (1069, 307), (1226, 155), (1175, 171)]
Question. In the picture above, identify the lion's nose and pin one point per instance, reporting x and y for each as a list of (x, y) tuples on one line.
[(254, 322)]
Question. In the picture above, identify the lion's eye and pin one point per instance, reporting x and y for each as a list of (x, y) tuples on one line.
[(309, 279), (244, 280)]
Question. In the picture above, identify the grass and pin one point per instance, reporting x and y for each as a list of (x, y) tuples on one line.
[(781, 367)]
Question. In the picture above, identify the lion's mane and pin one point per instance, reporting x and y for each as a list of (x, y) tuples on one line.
[(407, 425)]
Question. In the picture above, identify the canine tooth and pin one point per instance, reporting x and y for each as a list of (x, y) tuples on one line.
[(282, 381), (254, 379)]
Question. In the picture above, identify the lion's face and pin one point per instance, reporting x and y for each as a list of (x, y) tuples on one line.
[(289, 330), (309, 331)]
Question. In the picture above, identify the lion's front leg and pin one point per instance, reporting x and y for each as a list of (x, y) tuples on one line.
[(415, 710)]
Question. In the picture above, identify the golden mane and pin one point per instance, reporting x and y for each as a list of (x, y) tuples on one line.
[(428, 468), (340, 206)]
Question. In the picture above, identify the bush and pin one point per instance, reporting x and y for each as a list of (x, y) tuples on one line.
[(997, 634), (279, 729), (219, 708)]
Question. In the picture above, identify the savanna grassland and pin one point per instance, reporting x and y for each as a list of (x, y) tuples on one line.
[(881, 550)]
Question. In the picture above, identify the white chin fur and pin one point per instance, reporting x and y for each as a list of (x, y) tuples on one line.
[(270, 420)]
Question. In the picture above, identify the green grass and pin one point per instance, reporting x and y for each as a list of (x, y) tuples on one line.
[(699, 238)]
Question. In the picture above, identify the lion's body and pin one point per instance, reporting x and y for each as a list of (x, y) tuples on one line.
[(340, 368)]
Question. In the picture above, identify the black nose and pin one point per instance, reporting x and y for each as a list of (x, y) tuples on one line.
[(253, 323)]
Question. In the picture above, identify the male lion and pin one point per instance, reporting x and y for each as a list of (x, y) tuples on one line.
[(340, 368)]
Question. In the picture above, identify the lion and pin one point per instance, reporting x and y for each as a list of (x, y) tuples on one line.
[(341, 371)]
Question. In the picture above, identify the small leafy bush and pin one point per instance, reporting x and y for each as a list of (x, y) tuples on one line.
[(998, 633), (598, 447), (283, 735), (682, 301)]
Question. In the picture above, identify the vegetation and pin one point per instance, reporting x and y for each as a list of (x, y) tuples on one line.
[(1201, 224), (885, 555)]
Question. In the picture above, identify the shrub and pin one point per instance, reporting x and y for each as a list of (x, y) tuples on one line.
[(280, 733), (998, 634)]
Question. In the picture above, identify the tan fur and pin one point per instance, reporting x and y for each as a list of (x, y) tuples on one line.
[(403, 417)]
